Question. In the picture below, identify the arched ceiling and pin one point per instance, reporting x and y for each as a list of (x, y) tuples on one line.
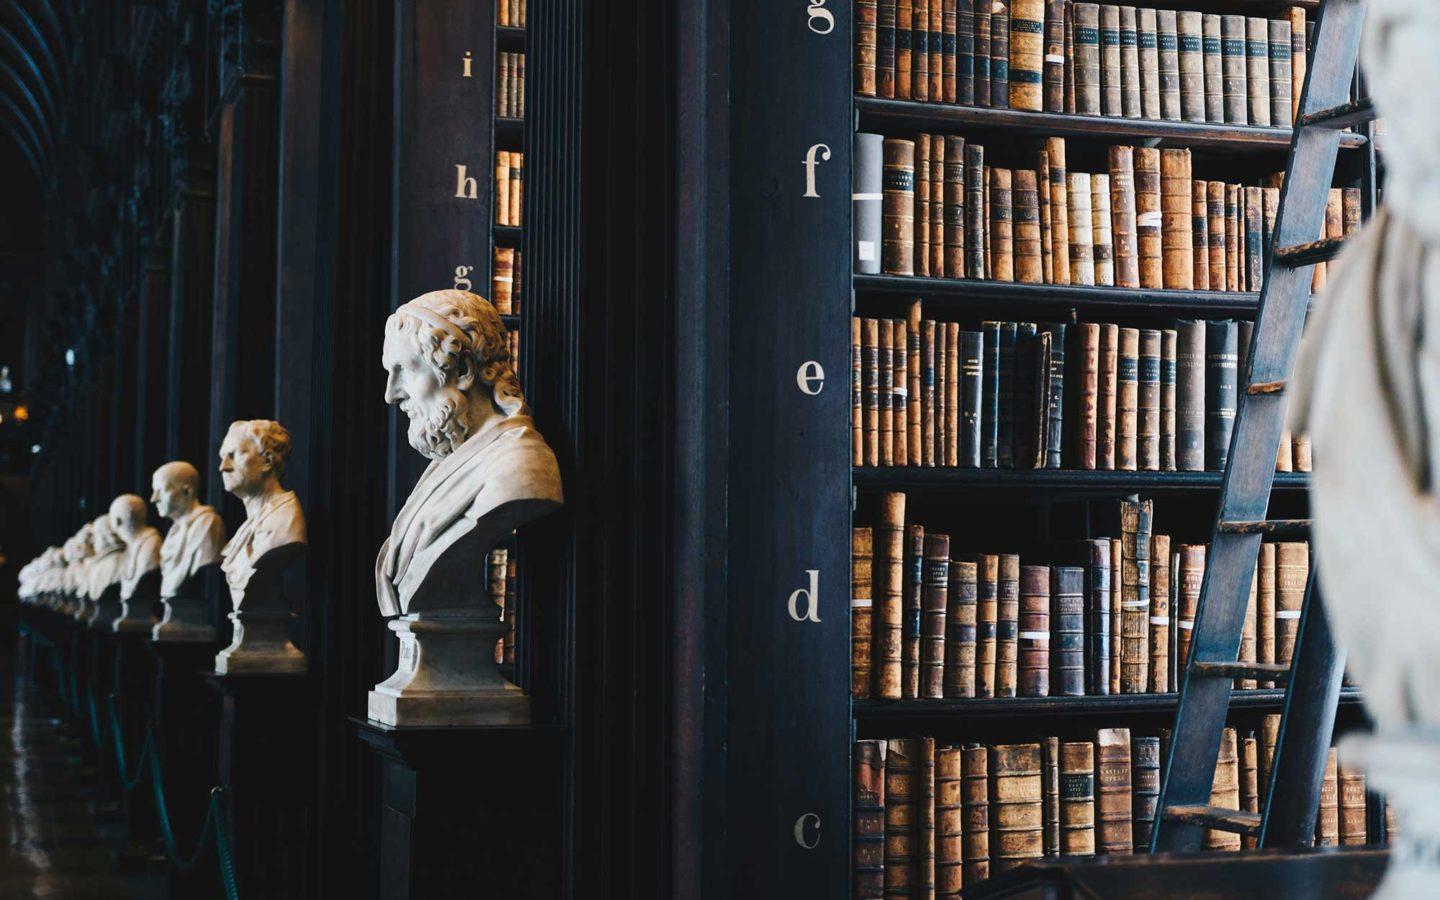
[(34, 43)]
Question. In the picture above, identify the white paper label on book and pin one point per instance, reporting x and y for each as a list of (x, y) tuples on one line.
[(1287, 613), (865, 250), (1148, 220)]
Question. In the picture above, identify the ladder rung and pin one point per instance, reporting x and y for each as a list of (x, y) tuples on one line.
[(1343, 116), (1308, 254), (1217, 817), (1258, 671), (1270, 526), (1265, 387)]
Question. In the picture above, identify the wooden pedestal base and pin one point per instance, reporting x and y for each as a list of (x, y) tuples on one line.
[(186, 718), (469, 812)]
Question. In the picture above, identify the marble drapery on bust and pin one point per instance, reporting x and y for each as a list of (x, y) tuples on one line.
[(193, 544), (446, 356)]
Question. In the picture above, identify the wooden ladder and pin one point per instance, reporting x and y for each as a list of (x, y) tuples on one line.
[(1312, 681)]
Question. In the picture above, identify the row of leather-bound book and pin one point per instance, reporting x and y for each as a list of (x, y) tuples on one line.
[(500, 578), (1107, 615), (510, 13), (505, 281), (509, 186), (1083, 395), (510, 85), (1094, 59), (936, 205), (931, 819)]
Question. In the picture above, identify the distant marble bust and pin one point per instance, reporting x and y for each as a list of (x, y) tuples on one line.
[(104, 568), (448, 363), (197, 533), (142, 541), (252, 464), (77, 552)]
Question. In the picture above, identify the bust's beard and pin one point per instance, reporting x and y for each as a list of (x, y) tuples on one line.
[(437, 430)]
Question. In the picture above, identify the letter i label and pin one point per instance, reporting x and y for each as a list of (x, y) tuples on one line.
[(466, 63)]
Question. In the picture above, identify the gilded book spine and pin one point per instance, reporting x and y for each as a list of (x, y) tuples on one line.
[(1176, 208), (1067, 619), (1002, 251), (1104, 250), (1189, 31), (1145, 767), (1000, 54), (920, 49), (889, 577), (922, 204), (1292, 569), (1225, 791), (1016, 801), (1129, 63), (1233, 70), (885, 49), (1007, 625), (1148, 405), (914, 604), (1200, 234), (987, 575), (928, 418), (1077, 798), (949, 822), (952, 394), (1160, 613), (965, 52), (1257, 69), (1192, 575), (869, 820), (1327, 820), (954, 216), (861, 609), (1135, 519), (1054, 92), (1025, 197), (1113, 814), (972, 356), (1122, 216), (885, 348), (960, 654), (1279, 48), (1249, 784), (1088, 364), (1082, 251), (913, 416), (1352, 807), (857, 391), (1147, 36), (1055, 397), (1247, 633), (1265, 607), (1215, 234), (1167, 37), (1297, 59), (1047, 247), (1087, 59), (1059, 210), (1117, 558), (938, 192), (898, 247), (937, 50), (1034, 625), (925, 833), (1127, 399), (934, 596), (1234, 239), (866, 12), (974, 210), (1027, 45), (1168, 350), (1111, 91), (982, 52), (899, 390), (1214, 82), (975, 799), (1269, 739), (1106, 434), (1148, 218), (1050, 791), (870, 372), (902, 816)]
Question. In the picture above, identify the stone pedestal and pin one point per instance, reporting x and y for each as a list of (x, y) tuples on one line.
[(447, 673), (104, 611), (467, 811), (261, 645), (184, 620), (136, 611)]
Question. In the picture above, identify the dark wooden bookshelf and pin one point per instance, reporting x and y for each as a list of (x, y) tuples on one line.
[(509, 133), (1073, 481), (1015, 299), (509, 37), (507, 235)]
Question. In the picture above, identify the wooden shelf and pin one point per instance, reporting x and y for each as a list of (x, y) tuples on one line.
[(965, 294), (509, 132), (506, 235), (511, 322), (899, 478), (899, 115), (510, 37)]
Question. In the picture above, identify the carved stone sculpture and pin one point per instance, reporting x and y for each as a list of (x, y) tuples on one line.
[(140, 567), (191, 547), (103, 573), (74, 594), (449, 371), (252, 464)]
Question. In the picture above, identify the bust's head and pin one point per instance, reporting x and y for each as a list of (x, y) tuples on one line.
[(127, 516), (175, 489), (78, 546), (448, 368), (252, 457), (103, 535)]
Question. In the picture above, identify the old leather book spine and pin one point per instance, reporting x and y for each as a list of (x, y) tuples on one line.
[(1111, 90), (1279, 49), (974, 210), (1176, 211), (1027, 439), (1200, 234), (1148, 37), (1059, 210), (1055, 397), (1350, 212), (1129, 63), (913, 420), (902, 816), (1257, 69), (1215, 234), (923, 196), (1233, 70), (1221, 362), (869, 853), (1007, 625), (1189, 35), (1135, 518), (1029, 267), (975, 798), (1249, 783), (885, 49), (1002, 255), (1050, 794), (1117, 557), (954, 208), (1234, 238), (1334, 214), (1269, 209), (1104, 249), (1301, 451), (952, 394), (870, 365), (1352, 807), (898, 248), (1016, 813), (1034, 672), (1192, 574), (1108, 375), (1082, 250), (1077, 798), (1054, 72), (1247, 652), (1269, 739), (925, 833), (866, 12), (900, 389), (1027, 54), (1148, 405), (913, 594), (1327, 820), (1000, 54), (1145, 793), (1167, 39), (1088, 391), (934, 598), (1160, 613), (959, 649), (857, 392), (920, 49), (502, 188), (990, 396), (1168, 341), (1213, 63), (862, 604), (517, 184), (1225, 791), (937, 51), (1087, 59), (1042, 178), (942, 389), (1298, 62), (982, 52), (904, 69), (1292, 567), (1148, 217), (949, 822), (1067, 621), (987, 575), (972, 362), (1005, 452), (965, 52), (1122, 216), (928, 417), (1127, 398), (1392, 825), (1039, 413), (886, 355), (1097, 616), (1069, 57), (949, 25), (1113, 814), (889, 581), (503, 281), (938, 190), (1265, 607)]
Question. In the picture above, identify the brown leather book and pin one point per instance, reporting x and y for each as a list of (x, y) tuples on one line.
[(904, 43), (950, 38), (1113, 814), (1200, 234), (1047, 247), (1082, 250), (925, 875), (1269, 209), (1189, 31), (1327, 820), (982, 20), (1249, 783), (1111, 93), (938, 144), (861, 608), (1027, 54), (1297, 59), (1054, 72), (1169, 341), (1392, 824), (975, 253), (1106, 396), (936, 31), (1160, 613), (1279, 54), (1117, 558), (975, 797), (954, 207), (1087, 63), (899, 389), (929, 417), (920, 49), (923, 196), (1254, 238), (902, 816), (869, 853), (1265, 608), (1214, 64), (1034, 632), (914, 605), (865, 15), (1269, 739), (1192, 574), (1059, 211), (913, 372), (1077, 798), (1215, 235), (1352, 807), (1301, 452), (885, 350), (857, 391), (885, 49), (1002, 249), (959, 651), (934, 597), (1350, 212), (1135, 519), (1028, 262), (1292, 568), (949, 822), (1234, 239), (1147, 379), (1050, 794), (942, 389), (1233, 70), (1122, 216), (1000, 54), (889, 580), (952, 394), (1087, 347), (1016, 806), (1148, 217), (1007, 625), (1129, 63), (503, 281), (1069, 57), (870, 365), (898, 245), (1225, 791), (1127, 400), (1167, 38), (987, 575), (1101, 234), (1176, 216), (1148, 37), (1257, 69), (502, 188)]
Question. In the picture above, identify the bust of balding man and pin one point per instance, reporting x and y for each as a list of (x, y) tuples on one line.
[(192, 546), (103, 573), (139, 567)]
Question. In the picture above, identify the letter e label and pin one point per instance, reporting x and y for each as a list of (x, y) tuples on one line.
[(810, 378)]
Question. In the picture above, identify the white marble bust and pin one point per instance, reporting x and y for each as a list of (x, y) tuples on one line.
[(142, 541), (197, 533), (77, 551), (252, 464), (103, 572)]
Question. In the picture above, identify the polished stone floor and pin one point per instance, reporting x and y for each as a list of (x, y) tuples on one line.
[(53, 843)]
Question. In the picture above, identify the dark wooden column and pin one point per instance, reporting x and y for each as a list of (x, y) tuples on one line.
[(192, 283), (151, 365)]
